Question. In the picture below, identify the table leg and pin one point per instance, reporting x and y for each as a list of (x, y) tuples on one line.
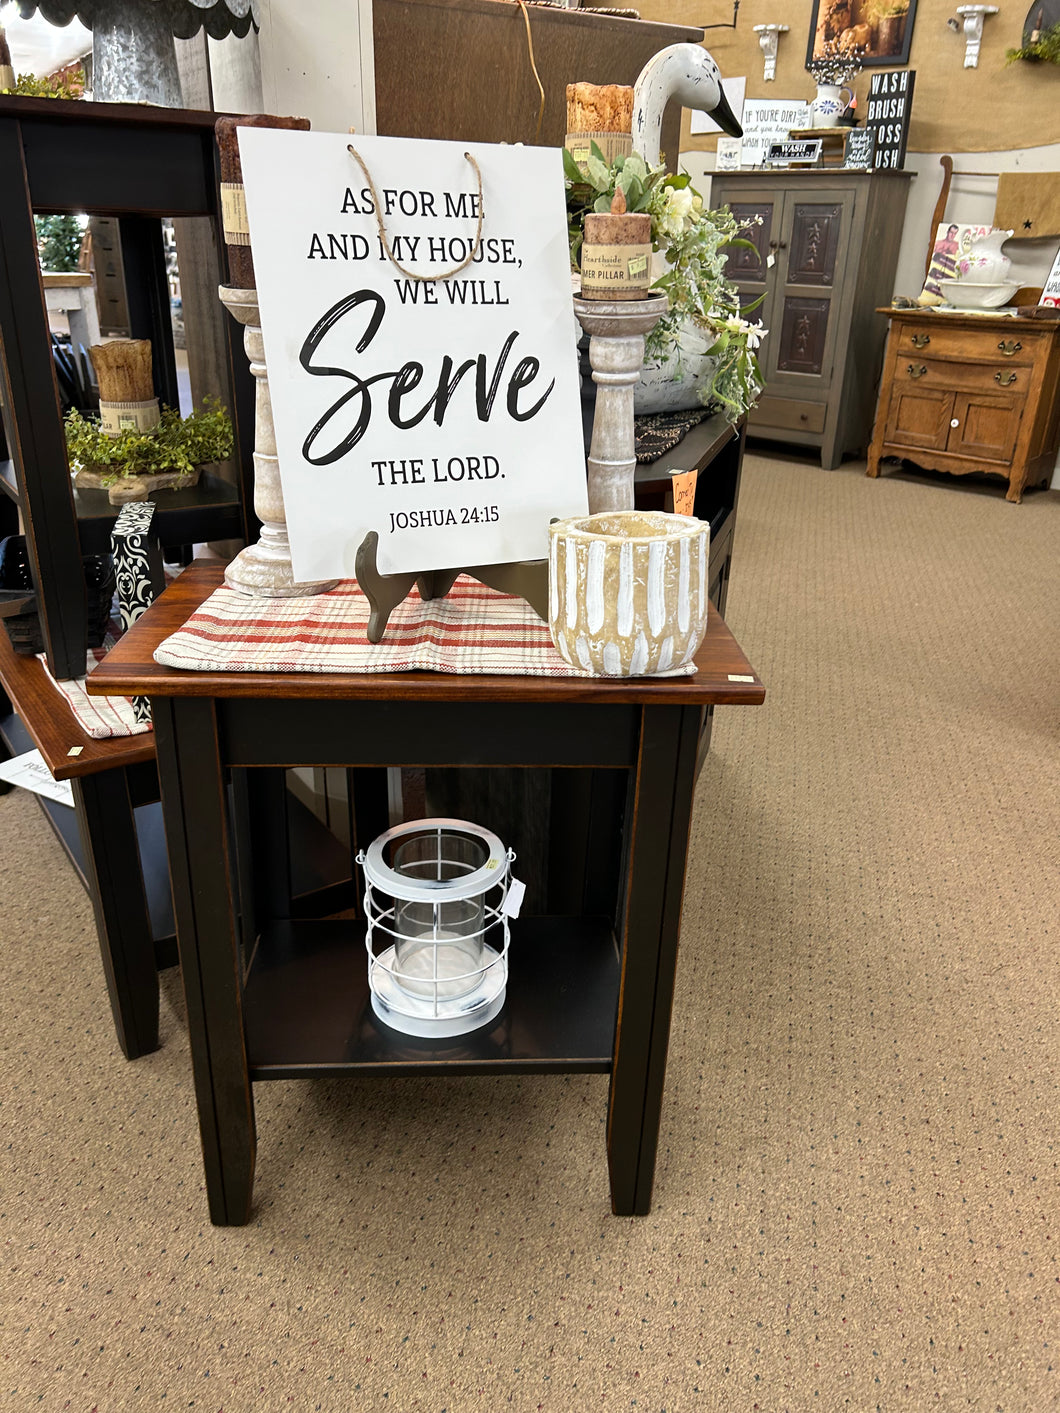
[(195, 807), (656, 843), (111, 850)]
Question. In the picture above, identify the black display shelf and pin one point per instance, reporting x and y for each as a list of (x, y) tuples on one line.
[(307, 1008), (209, 510)]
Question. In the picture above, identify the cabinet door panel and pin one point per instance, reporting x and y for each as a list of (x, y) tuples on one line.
[(919, 417), (746, 267), (814, 243), (987, 426), (803, 335)]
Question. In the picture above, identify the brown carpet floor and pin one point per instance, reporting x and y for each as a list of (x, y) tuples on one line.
[(856, 1204)]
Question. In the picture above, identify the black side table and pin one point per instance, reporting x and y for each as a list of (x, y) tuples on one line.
[(275, 997)]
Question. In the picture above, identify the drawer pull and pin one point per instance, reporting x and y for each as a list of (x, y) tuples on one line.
[(917, 370), (1010, 347), (920, 340), (1005, 379)]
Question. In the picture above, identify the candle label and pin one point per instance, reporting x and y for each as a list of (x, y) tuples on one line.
[(118, 417), (234, 214), (611, 144), (615, 267)]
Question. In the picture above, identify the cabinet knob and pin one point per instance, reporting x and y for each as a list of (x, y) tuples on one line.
[(778, 245), (1005, 379), (917, 370), (955, 421), (1010, 347), (920, 340)]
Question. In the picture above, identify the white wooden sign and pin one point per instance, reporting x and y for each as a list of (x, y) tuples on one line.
[(1050, 295), (442, 413), (768, 120)]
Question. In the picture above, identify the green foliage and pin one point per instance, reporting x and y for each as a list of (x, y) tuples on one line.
[(27, 86), (177, 444), (58, 242), (696, 243), (1045, 49)]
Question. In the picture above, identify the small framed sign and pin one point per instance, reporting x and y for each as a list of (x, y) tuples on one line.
[(861, 144), (729, 154), (800, 150), (421, 346), (889, 109)]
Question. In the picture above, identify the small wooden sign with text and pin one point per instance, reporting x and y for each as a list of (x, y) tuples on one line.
[(800, 150)]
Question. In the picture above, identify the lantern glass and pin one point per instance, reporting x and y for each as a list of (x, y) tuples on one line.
[(438, 948)]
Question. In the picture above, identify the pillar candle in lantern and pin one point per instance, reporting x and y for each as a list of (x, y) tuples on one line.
[(616, 253)]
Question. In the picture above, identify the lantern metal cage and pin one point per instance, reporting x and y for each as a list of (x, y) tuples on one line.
[(435, 891)]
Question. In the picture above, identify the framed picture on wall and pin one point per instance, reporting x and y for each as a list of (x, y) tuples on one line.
[(880, 30)]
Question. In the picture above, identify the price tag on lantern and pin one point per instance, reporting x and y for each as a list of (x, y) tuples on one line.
[(421, 346)]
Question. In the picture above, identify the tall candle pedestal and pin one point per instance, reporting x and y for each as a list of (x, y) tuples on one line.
[(263, 569), (616, 353)]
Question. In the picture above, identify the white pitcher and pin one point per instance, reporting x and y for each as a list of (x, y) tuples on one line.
[(985, 263), (829, 105)]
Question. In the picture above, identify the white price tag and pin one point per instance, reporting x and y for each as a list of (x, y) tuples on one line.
[(514, 899)]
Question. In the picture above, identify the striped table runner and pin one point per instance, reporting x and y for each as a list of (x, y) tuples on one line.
[(99, 717), (472, 630)]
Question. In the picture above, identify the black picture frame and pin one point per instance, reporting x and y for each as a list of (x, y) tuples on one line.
[(888, 42)]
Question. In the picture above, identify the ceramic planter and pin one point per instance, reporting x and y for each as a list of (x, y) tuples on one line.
[(675, 384), (628, 591)]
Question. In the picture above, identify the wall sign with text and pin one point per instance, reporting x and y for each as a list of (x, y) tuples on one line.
[(442, 413), (889, 109)]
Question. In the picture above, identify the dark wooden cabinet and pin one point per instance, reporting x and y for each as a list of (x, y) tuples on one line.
[(971, 392), (826, 248)]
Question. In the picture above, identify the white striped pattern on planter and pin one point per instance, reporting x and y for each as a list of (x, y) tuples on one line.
[(628, 591)]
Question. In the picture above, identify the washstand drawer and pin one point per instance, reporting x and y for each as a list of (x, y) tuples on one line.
[(997, 376), (938, 341), (787, 413)]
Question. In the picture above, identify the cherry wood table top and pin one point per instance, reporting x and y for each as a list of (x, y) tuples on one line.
[(53, 727), (724, 675)]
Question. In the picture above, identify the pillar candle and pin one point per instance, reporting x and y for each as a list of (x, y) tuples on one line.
[(233, 206), (616, 253)]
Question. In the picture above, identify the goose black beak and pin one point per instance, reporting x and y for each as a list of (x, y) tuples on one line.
[(725, 117)]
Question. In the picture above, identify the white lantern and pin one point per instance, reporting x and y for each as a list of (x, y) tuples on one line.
[(435, 890)]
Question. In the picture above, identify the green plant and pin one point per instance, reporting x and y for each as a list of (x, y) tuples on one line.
[(177, 444), (1044, 49), (696, 243), (28, 86), (58, 242)]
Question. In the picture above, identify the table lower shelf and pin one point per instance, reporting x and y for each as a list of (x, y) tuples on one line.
[(307, 1009)]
